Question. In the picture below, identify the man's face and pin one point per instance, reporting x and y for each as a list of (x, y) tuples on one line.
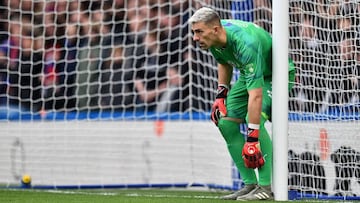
[(203, 34)]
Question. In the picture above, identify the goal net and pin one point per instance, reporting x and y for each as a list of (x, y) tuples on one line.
[(324, 154), (116, 94)]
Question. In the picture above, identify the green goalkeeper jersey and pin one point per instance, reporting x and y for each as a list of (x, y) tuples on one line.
[(248, 48)]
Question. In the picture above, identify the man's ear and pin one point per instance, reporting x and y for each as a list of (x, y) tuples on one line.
[(216, 29)]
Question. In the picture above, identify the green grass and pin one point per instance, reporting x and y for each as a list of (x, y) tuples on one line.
[(112, 196)]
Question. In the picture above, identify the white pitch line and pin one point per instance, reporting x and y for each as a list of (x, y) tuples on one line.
[(171, 196), (75, 192), (129, 194)]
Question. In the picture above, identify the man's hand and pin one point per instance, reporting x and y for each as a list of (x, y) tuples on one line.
[(218, 109), (251, 152), (252, 155)]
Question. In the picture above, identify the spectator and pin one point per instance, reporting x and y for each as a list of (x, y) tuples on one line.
[(312, 71), (136, 22), (50, 76), (170, 99), (67, 79), (345, 77), (170, 17), (263, 14), (338, 36), (90, 56), (325, 68), (118, 16), (150, 76), (115, 92), (23, 78), (61, 44), (15, 56), (348, 23)]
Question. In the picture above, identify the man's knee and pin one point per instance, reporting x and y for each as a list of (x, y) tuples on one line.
[(225, 123), (229, 129), (236, 120)]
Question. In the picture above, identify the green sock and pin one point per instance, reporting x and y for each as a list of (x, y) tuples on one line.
[(266, 148), (230, 130)]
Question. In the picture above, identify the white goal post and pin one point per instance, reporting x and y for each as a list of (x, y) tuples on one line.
[(280, 31), (115, 94)]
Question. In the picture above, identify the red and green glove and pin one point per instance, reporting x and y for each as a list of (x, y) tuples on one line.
[(218, 108), (251, 152)]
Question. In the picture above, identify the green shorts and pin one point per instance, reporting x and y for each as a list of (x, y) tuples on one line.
[(237, 99)]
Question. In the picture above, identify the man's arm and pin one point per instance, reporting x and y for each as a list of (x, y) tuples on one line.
[(224, 77), (255, 105), (225, 72), (251, 152)]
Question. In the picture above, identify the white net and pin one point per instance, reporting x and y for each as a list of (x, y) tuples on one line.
[(323, 146), (95, 55), (104, 93), (116, 93)]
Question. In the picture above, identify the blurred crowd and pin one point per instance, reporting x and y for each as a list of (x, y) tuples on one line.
[(74, 55), (138, 54), (324, 41)]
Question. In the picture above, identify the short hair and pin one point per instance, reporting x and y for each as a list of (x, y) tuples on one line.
[(206, 15)]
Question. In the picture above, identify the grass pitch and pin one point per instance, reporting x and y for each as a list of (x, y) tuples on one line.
[(108, 196), (112, 196)]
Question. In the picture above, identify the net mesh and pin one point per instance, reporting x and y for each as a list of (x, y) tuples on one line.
[(65, 62), (323, 155)]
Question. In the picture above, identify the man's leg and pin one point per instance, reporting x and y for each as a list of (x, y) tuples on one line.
[(229, 126), (265, 171), (230, 130), (266, 148), (263, 190)]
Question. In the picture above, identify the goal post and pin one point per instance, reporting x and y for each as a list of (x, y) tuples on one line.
[(280, 31)]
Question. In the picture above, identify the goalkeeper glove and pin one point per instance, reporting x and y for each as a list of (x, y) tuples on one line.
[(251, 152), (218, 108)]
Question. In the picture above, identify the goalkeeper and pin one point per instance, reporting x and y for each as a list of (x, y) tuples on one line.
[(248, 48)]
